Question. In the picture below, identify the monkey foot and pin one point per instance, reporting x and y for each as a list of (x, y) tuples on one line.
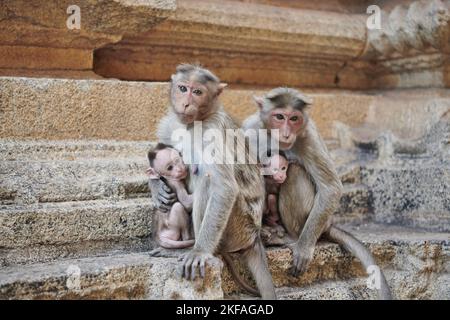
[(161, 252), (274, 236)]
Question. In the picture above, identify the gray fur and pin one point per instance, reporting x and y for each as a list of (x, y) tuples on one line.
[(311, 192), (228, 199)]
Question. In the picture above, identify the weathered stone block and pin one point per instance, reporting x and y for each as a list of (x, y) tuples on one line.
[(130, 276), (245, 43), (412, 195), (35, 35)]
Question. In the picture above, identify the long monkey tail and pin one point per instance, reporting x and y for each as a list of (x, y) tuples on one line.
[(244, 285), (355, 247)]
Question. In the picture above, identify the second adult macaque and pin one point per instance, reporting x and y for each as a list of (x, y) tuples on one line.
[(312, 190), (172, 229)]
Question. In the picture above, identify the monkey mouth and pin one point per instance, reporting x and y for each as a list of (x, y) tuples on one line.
[(286, 145), (185, 118), (183, 175)]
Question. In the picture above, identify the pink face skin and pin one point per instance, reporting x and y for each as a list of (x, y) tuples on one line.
[(278, 166), (188, 98), (169, 164), (289, 122)]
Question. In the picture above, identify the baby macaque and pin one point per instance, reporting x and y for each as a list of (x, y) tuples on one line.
[(172, 229), (275, 173)]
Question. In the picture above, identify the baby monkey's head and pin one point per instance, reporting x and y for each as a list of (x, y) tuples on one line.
[(166, 162), (276, 167)]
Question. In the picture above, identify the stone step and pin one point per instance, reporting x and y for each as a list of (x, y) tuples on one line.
[(49, 150), (330, 290), (47, 231), (59, 171), (419, 261), (27, 182), (56, 109), (421, 253), (436, 288), (45, 150), (128, 276), (410, 192)]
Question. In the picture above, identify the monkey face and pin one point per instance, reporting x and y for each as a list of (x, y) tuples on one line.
[(169, 164), (289, 123), (189, 99), (278, 166)]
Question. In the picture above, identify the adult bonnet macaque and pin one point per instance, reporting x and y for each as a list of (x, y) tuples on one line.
[(312, 190), (171, 229), (228, 198)]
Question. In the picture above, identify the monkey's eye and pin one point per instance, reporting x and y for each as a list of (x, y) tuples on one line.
[(170, 168), (182, 88), (279, 116), (294, 118), (198, 92), (284, 168)]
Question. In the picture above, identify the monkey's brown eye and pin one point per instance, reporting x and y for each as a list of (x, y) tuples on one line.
[(295, 118), (284, 168), (198, 92), (170, 168), (279, 116), (182, 88)]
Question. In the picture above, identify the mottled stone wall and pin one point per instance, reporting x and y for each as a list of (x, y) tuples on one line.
[(35, 39)]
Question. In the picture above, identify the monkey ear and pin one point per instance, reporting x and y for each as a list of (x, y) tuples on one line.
[(220, 88), (259, 101), (307, 100), (152, 174)]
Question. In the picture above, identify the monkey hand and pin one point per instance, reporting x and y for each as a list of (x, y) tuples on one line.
[(192, 261), (165, 196), (302, 255)]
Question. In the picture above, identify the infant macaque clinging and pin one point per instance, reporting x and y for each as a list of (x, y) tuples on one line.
[(275, 170), (172, 229)]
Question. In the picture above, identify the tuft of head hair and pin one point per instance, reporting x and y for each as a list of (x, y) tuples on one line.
[(282, 97), (268, 154), (186, 71), (271, 153), (151, 155)]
